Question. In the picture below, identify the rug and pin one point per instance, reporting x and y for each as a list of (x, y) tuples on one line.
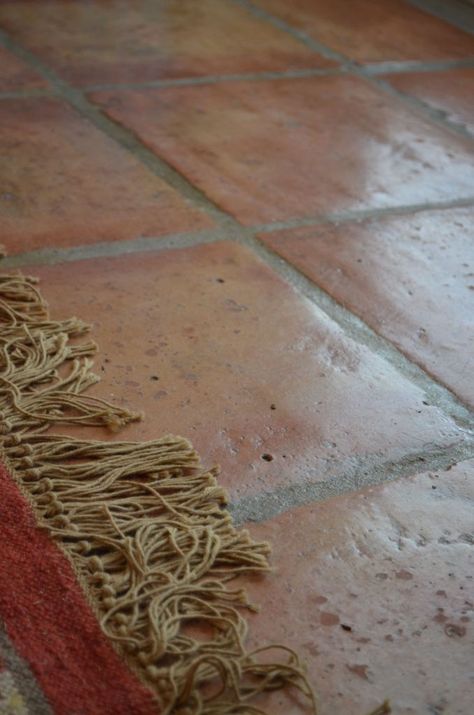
[(117, 558)]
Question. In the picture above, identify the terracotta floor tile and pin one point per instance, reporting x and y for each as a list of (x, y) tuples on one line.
[(192, 337), (410, 278), (375, 590), (15, 74), (370, 31), (292, 148), (105, 41), (64, 183), (451, 92)]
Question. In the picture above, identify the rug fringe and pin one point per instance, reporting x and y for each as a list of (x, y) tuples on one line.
[(143, 524)]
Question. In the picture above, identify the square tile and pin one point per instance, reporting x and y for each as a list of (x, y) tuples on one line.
[(410, 278), (283, 149), (276, 396), (15, 74), (451, 92), (375, 590), (107, 41), (64, 183), (368, 31)]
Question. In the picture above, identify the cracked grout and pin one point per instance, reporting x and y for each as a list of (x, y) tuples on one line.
[(350, 475), (228, 228)]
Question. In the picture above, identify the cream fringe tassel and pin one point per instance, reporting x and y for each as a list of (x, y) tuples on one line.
[(143, 524)]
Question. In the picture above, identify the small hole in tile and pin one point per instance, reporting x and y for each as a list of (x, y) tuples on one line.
[(154, 377), (220, 280), (345, 627), (267, 457), (273, 406)]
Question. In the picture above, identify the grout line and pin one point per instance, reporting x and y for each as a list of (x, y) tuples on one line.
[(300, 35), (122, 135), (455, 12), (436, 116), (108, 249), (357, 215), (355, 328), (78, 99), (25, 94), (216, 79), (353, 325), (372, 69), (350, 476), (112, 249), (132, 143), (415, 66)]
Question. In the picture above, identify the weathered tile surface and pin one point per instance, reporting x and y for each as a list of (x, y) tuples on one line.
[(290, 148), (16, 75), (451, 93), (214, 346), (411, 278), (151, 39), (369, 31), (64, 183), (376, 590)]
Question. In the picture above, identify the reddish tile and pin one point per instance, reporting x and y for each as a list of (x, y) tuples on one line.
[(375, 590), (64, 183), (192, 337), (410, 278), (14, 74), (451, 92), (291, 148), (369, 31), (151, 39)]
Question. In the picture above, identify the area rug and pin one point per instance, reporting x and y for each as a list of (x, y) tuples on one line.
[(116, 558)]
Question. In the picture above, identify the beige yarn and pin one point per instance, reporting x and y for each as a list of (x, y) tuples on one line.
[(143, 524)]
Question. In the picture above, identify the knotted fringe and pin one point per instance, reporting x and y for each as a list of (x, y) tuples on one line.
[(143, 524)]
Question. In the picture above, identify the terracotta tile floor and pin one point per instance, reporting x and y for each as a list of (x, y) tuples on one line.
[(15, 74), (267, 211), (451, 93), (399, 274), (368, 31), (297, 147)]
